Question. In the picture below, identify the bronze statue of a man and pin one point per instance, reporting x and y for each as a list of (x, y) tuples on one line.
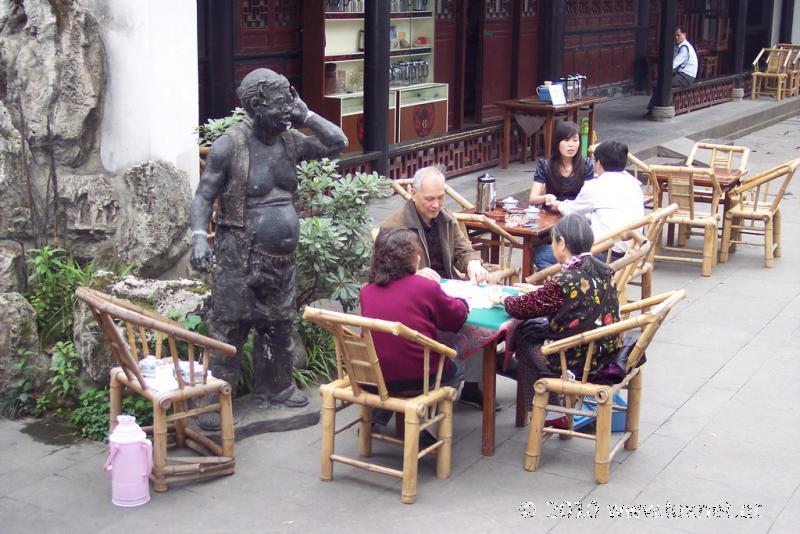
[(251, 171)]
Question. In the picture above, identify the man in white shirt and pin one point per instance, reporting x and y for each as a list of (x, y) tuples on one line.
[(684, 65), (612, 200)]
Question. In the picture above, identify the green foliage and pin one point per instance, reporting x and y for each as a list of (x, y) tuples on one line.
[(207, 133), (91, 417), (321, 365), (335, 245), (54, 276), (63, 379), (19, 397)]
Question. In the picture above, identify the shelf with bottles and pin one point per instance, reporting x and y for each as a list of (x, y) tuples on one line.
[(356, 15), (344, 37)]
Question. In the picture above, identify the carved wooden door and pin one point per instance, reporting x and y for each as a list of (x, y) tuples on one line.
[(495, 58)]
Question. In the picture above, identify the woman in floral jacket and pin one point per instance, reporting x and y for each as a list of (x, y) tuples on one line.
[(578, 298)]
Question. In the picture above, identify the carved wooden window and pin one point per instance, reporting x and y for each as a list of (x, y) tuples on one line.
[(445, 9), (496, 9), (255, 13), (529, 8)]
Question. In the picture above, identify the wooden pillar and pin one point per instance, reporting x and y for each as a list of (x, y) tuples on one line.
[(515, 36), (220, 58), (787, 20), (739, 36), (376, 81), (665, 46), (640, 73), (554, 15)]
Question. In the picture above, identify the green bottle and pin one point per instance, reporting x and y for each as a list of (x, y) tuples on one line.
[(585, 137)]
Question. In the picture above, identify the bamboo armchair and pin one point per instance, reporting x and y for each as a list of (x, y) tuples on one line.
[(684, 189), (503, 271), (727, 157), (642, 275), (793, 68), (402, 187), (772, 80), (433, 407), (580, 391), (750, 205), (149, 333)]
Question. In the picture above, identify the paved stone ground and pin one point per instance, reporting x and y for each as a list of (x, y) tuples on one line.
[(718, 426)]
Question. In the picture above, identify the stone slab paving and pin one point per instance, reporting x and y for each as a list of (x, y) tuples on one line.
[(716, 428)]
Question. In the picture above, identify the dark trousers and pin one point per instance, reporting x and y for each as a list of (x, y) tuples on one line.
[(679, 79)]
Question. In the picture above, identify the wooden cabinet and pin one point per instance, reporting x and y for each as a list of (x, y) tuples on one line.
[(422, 111), (347, 111), (333, 68)]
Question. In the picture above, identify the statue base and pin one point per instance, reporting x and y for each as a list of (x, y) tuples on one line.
[(251, 418)]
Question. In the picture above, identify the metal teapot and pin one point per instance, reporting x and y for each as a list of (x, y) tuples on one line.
[(485, 195)]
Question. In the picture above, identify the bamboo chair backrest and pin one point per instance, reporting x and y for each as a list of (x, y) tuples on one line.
[(755, 190), (722, 156), (356, 352), (683, 188), (403, 187), (776, 61), (506, 242), (648, 321), (633, 263), (148, 333)]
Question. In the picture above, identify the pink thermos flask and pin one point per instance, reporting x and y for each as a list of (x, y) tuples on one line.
[(130, 460)]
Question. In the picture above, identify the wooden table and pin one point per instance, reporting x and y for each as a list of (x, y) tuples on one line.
[(531, 237), (533, 106)]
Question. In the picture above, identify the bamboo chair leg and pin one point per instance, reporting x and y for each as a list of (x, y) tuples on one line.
[(602, 441), (569, 402), (445, 433), (114, 402), (328, 435), (776, 232), (410, 460), (683, 234), (179, 406), (633, 411), (726, 238), (736, 233), (226, 422), (365, 431), (709, 235), (159, 448), (534, 449), (769, 260)]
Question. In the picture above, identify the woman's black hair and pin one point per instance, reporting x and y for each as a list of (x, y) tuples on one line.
[(566, 130), (394, 256), (578, 238)]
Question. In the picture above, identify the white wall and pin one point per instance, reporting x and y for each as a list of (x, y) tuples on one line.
[(796, 23), (151, 101), (777, 11)]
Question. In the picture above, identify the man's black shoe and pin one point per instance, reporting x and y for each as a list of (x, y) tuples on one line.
[(648, 114)]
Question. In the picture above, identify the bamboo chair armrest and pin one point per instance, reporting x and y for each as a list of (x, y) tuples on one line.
[(663, 302), (399, 189), (488, 223), (767, 176), (539, 276)]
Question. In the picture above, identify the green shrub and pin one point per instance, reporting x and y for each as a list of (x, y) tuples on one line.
[(19, 397), (53, 277), (207, 133), (91, 417), (63, 379)]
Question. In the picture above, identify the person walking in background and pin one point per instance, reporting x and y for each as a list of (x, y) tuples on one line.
[(684, 66)]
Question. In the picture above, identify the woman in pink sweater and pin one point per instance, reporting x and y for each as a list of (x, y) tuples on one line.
[(396, 293)]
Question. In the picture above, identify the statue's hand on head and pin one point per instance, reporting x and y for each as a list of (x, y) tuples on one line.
[(299, 109), (202, 255)]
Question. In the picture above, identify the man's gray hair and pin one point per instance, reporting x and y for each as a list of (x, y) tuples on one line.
[(424, 172)]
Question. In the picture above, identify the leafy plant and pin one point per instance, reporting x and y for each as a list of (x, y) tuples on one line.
[(19, 397), (321, 350), (64, 370), (54, 276), (335, 245), (207, 133), (91, 417)]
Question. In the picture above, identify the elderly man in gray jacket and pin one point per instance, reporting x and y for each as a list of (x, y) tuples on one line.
[(445, 249)]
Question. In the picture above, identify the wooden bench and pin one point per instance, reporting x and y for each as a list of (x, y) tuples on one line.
[(703, 94)]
